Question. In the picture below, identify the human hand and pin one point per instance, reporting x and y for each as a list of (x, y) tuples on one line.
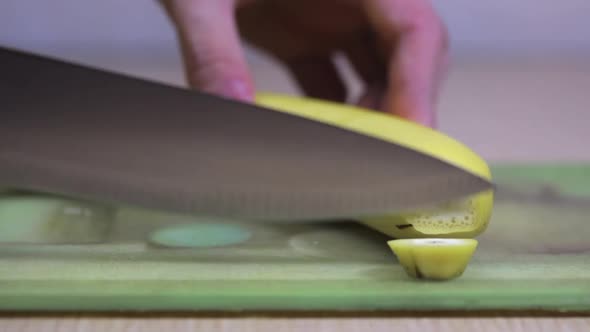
[(398, 48)]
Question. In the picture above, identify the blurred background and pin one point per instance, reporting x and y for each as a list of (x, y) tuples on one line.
[(518, 90)]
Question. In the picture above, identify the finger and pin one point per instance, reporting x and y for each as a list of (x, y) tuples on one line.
[(318, 77), (212, 53), (416, 42)]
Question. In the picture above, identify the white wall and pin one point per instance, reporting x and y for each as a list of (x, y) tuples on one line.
[(518, 26), (499, 26)]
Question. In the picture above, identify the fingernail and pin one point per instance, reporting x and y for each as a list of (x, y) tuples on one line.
[(232, 89), (238, 89)]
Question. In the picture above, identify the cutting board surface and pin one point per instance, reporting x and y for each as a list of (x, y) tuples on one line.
[(58, 255)]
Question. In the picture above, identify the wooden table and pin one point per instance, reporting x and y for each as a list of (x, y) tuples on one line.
[(260, 323), (532, 110)]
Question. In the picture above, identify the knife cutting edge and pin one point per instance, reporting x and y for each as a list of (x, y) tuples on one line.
[(74, 130)]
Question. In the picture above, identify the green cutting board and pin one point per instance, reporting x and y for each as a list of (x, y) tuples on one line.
[(77, 256)]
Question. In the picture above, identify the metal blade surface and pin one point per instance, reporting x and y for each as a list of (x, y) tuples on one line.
[(77, 131)]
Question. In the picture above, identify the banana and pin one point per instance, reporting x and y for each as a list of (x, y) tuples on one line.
[(466, 218), (435, 259)]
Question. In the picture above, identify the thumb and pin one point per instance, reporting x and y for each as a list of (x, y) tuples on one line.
[(211, 49)]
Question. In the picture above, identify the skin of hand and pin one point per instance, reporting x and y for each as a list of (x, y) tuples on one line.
[(399, 48)]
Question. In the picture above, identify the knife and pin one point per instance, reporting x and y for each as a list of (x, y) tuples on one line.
[(78, 131)]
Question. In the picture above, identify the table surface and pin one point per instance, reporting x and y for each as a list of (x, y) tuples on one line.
[(312, 323), (507, 111)]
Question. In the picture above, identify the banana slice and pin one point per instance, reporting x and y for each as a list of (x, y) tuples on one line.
[(434, 259), (456, 219)]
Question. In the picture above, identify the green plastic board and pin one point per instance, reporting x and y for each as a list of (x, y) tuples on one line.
[(57, 255)]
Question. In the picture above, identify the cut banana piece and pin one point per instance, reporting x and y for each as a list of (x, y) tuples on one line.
[(434, 259)]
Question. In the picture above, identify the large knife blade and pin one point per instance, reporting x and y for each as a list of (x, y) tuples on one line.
[(78, 131)]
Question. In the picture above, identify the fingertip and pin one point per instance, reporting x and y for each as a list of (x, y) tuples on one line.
[(424, 118), (230, 88), (240, 90), (412, 109)]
